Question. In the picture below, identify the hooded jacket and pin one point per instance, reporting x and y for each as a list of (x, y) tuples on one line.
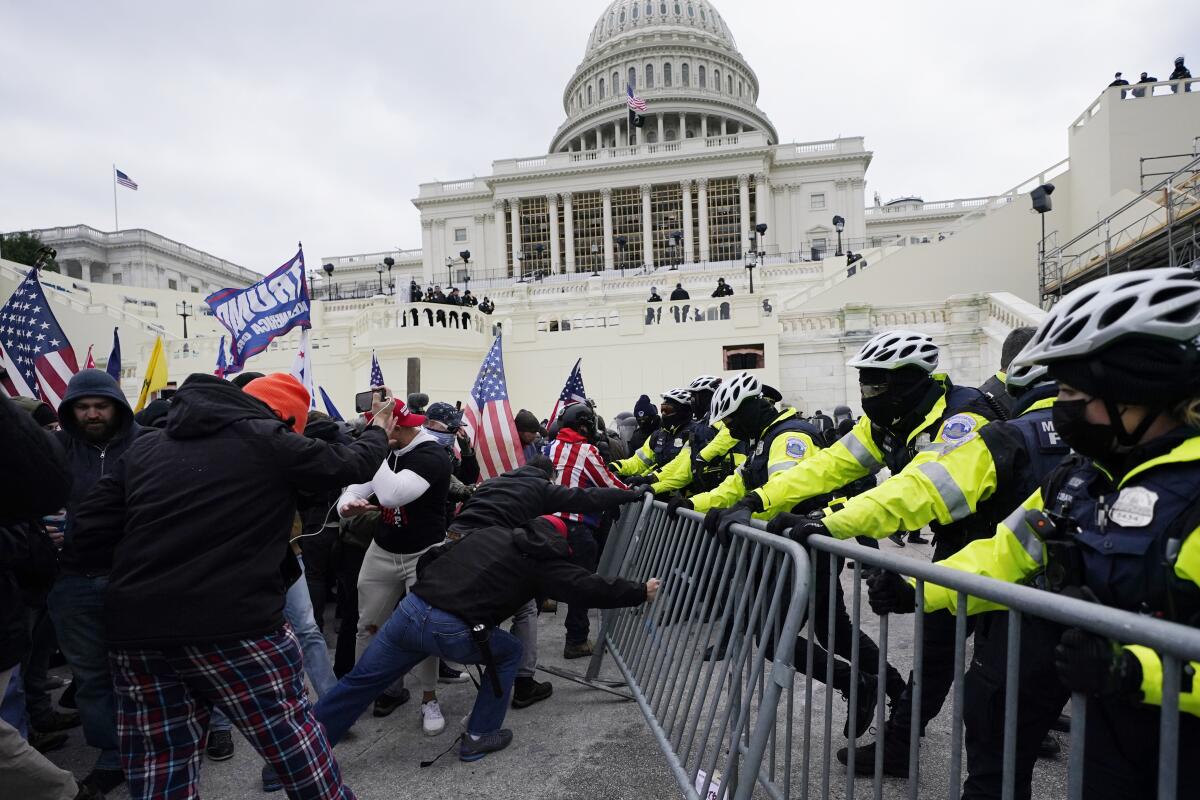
[(521, 494), (90, 462), (486, 577), (196, 519)]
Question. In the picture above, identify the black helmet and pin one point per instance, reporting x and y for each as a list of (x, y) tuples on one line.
[(580, 418)]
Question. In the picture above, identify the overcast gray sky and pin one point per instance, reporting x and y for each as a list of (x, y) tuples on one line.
[(250, 125)]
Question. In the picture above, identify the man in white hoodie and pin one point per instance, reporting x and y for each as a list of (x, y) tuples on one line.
[(409, 491)]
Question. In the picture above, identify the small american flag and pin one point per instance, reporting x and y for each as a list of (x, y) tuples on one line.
[(634, 102), (376, 372), (125, 180), (572, 392), (489, 415), (33, 348)]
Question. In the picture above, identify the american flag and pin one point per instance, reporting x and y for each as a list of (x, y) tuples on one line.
[(572, 392), (634, 102), (33, 348), (490, 416), (302, 369), (376, 372), (125, 180)]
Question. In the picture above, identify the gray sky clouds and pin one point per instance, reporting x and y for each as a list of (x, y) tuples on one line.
[(250, 125)]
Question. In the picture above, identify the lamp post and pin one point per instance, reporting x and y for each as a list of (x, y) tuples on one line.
[(1041, 204), (538, 249), (184, 310), (595, 260), (379, 272), (329, 283), (622, 242), (390, 262), (519, 256), (839, 224), (754, 258)]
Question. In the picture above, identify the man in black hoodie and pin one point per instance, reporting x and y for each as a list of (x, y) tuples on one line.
[(509, 500), (97, 428), (480, 580), (192, 528)]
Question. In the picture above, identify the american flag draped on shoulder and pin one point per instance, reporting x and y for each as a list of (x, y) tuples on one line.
[(572, 392), (33, 348), (490, 416)]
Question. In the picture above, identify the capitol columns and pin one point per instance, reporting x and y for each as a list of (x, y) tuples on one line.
[(647, 227), (762, 199), (702, 210), (552, 211), (606, 196), (744, 208), (569, 231), (427, 264), (514, 206), (499, 253), (688, 253)]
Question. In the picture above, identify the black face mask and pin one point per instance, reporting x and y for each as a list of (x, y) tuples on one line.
[(890, 406), (677, 418), (1086, 438)]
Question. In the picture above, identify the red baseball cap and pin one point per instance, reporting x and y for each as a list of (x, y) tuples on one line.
[(404, 418)]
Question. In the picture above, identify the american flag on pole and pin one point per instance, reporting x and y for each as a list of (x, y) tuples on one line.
[(302, 369), (33, 348), (572, 392), (125, 180), (376, 372), (634, 102), (489, 415)]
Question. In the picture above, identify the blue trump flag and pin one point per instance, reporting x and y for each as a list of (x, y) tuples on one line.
[(257, 314), (113, 367)]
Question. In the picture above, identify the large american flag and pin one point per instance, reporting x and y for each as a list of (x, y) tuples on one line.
[(34, 351), (125, 180), (376, 372), (490, 416), (572, 392), (634, 102)]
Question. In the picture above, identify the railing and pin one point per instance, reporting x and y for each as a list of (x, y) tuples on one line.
[(607, 154), (684, 311), (1135, 91), (940, 207), (406, 258), (422, 315)]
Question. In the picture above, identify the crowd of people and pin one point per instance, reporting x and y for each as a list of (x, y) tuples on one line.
[(434, 294), (185, 561), (1180, 72)]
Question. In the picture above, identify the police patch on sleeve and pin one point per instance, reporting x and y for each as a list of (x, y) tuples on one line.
[(958, 427), (796, 448)]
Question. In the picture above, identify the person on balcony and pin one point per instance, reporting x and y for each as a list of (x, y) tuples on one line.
[(414, 291), (680, 293), (1118, 80), (468, 299), (655, 297), (1145, 78), (723, 289)]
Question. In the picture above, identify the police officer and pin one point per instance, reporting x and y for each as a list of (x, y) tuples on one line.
[(995, 387), (911, 415), (996, 466), (661, 447), (711, 451), (1117, 519)]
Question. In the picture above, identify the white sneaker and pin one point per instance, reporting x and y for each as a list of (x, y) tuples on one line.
[(431, 718)]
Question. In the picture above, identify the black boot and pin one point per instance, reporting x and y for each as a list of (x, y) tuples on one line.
[(527, 691), (868, 694), (895, 755)]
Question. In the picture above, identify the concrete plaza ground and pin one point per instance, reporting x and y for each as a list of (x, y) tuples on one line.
[(582, 744)]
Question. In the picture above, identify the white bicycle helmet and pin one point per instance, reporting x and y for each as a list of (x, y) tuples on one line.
[(731, 395), (895, 349), (705, 383), (681, 397), (1153, 303), (1022, 376)]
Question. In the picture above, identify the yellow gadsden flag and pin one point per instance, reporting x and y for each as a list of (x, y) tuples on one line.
[(156, 374)]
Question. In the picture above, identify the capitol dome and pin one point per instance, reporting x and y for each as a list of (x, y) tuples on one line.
[(680, 57)]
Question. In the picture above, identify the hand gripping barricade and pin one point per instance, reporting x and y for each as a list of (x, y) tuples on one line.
[(701, 660)]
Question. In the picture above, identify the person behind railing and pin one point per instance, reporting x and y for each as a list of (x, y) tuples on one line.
[(912, 414), (677, 294), (486, 306), (1118, 81), (1145, 78), (661, 447), (414, 292), (1116, 523), (1180, 73), (468, 299), (712, 452)]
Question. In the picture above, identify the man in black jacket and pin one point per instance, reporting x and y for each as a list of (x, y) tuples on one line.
[(97, 428), (480, 580), (509, 500), (192, 528)]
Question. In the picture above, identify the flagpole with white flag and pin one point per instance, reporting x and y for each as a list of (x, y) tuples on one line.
[(302, 368)]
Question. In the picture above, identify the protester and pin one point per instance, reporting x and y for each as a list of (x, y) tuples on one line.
[(531, 432), (410, 489), (97, 429), (505, 568), (194, 619), (648, 421)]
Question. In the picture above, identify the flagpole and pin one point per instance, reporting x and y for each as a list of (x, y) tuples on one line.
[(116, 222)]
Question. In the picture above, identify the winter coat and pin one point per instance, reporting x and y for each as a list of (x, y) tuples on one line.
[(195, 521)]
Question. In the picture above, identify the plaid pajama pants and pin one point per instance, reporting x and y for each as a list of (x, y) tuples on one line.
[(165, 698)]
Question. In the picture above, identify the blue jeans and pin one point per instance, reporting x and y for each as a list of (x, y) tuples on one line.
[(76, 605), (415, 631), (298, 611)]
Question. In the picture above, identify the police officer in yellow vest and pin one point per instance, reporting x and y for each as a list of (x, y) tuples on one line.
[(711, 451), (1117, 522), (663, 445)]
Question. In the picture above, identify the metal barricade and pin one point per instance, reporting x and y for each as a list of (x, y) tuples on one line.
[(705, 661), (1176, 644)]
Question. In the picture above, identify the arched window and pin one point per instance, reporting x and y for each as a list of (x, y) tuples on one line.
[(729, 83), (662, 7), (700, 77), (649, 8), (649, 76), (691, 11), (616, 83), (635, 11), (685, 77), (589, 94), (633, 77), (622, 17), (601, 87), (717, 80), (667, 74), (678, 10)]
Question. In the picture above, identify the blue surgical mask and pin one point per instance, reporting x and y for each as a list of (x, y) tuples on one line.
[(444, 438)]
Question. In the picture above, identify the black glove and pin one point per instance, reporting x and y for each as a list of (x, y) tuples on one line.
[(888, 593), (783, 523), (677, 503), (634, 495), (1095, 665), (718, 521), (808, 527), (639, 480)]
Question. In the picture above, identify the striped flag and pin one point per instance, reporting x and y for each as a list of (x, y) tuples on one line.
[(634, 102), (489, 415), (376, 372), (125, 180), (302, 368), (34, 351), (222, 364), (572, 392)]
